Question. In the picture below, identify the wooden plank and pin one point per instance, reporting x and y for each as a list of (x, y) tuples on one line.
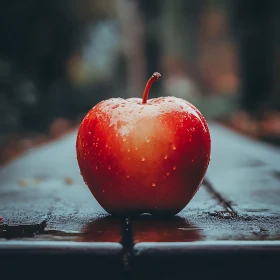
[(246, 173), (43, 193), (34, 190)]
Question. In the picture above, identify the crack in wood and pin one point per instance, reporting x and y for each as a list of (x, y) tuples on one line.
[(128, 244), (227, 205)]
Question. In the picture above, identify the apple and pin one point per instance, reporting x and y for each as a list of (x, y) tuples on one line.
[(143, 156)]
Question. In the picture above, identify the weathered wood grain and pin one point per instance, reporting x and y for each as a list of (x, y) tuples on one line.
[(246, 172)]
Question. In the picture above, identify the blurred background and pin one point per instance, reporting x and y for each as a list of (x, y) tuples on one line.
[(58, 58)]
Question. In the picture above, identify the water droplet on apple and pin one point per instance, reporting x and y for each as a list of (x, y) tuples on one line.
[(148, 140), (89, 132), (165, 157), (103, 191), (153, 184), (124, 139), (136, 148), (174, 167), (115, 106), (193, 160), (173, 147), (168, 173), (128, 150), (127, 176), (143, 159), (109, 167), (106, 145), (96, 167)]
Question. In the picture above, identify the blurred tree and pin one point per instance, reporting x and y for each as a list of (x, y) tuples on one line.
[(254, 22), (37, 38)]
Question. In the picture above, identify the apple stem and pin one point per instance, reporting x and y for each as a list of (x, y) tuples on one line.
[(155, 77)]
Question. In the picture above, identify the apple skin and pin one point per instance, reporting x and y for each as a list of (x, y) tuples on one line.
[(143, 158)]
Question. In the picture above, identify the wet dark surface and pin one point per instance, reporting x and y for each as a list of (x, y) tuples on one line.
[(44, 203), (45, 186)]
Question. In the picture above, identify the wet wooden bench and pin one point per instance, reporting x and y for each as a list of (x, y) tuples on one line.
[(231, 228)]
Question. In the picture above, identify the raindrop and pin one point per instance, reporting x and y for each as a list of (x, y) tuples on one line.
[(173, 147), (128, 150), (143, 159), (168, 173), (109, 167), (127, 176), (96, 167), (165, 157), (103, 191), (174, 167), (148, 140), (89, 132), (115, 106), (153, 184)]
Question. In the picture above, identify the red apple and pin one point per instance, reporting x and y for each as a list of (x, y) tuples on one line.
[(143, 156)]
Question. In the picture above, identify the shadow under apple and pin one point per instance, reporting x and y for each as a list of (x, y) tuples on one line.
[(149, 228), (105, 229)]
